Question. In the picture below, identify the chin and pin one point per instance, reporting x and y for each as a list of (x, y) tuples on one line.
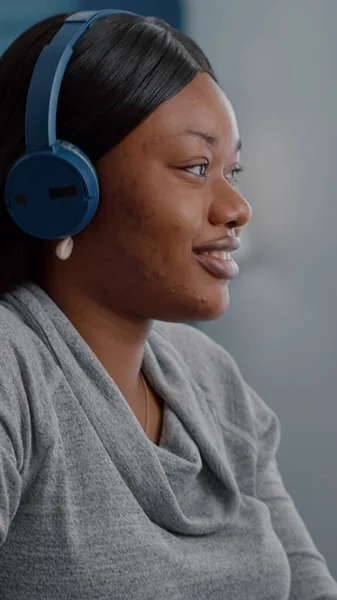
[(201, 307), (209, 311)]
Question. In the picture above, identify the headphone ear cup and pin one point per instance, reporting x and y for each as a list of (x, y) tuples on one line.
[(52, 194)]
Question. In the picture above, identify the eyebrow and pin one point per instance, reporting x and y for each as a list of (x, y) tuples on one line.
[(212, 140)]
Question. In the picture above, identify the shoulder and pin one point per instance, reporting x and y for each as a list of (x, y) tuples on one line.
[(28, 379), (16, 342), (24, 358)]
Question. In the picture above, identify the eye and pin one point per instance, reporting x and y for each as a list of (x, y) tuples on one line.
[(232, 176), (198, 170)]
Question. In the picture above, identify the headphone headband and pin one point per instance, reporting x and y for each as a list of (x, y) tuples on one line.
[(44, 88)]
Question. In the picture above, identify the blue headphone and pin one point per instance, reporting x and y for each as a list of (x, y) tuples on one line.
[(52, 191)]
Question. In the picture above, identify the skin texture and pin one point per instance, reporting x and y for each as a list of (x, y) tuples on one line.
[(134, 262)]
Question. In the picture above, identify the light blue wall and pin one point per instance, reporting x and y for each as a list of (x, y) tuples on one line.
[(169, 10), (277, 61), (18, 15)]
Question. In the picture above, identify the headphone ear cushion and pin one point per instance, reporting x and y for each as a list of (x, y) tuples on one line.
[(52, 194)]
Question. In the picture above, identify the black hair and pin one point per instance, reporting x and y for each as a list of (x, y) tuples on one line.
[(121, 70)]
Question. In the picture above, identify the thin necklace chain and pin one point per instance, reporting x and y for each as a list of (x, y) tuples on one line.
[(147, 403)]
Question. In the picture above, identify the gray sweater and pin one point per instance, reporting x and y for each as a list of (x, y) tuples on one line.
[(91, 509)]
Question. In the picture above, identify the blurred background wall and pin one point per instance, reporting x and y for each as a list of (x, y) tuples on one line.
[(277, 63), (17, 15)]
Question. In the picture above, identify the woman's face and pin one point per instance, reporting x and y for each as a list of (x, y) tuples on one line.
[(165, 190)]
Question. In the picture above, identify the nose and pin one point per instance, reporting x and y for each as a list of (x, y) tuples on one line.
[(229, 208)]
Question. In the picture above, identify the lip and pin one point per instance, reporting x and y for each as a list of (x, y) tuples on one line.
[(222, 269)]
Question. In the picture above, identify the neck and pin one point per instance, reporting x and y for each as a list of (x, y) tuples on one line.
[(117, 341)]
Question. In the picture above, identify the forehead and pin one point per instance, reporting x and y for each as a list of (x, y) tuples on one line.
[(200, 105)]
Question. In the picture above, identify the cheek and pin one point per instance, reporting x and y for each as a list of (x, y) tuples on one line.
[(147, 215), (125, 235), (145, 229)]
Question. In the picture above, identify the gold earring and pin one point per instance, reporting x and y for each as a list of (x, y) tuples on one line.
[(64, 248)]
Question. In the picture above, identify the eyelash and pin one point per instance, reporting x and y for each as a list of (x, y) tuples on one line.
[(234, 172)]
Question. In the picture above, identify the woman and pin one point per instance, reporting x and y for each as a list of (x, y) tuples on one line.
[(135, 461)]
